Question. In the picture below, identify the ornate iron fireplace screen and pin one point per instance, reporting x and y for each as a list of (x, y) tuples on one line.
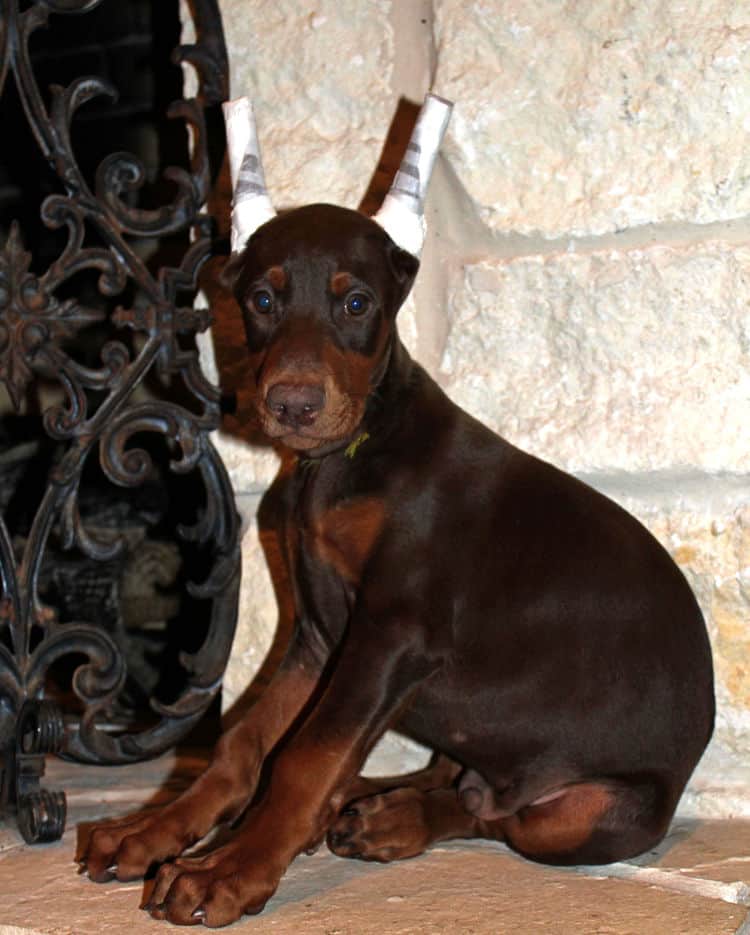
[(100, 411)]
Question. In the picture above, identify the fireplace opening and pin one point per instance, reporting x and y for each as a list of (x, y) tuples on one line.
[(140, 594)]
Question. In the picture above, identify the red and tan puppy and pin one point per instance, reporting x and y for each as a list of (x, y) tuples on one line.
[(497, 610)]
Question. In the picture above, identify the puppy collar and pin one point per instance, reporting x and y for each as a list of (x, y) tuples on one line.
[(353, 447)]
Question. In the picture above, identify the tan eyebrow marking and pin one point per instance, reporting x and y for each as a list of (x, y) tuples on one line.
[(277, 277), (341, 283)]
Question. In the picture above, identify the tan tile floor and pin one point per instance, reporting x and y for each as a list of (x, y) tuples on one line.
[(697, 883)]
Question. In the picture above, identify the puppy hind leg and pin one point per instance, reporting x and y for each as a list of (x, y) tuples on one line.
[(395, 817), (595, 822), (400, 823), (440, 773)]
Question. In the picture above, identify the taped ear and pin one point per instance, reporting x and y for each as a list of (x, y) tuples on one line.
[(251, 205), (402, 213)]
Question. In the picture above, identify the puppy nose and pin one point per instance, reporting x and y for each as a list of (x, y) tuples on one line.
[(295, 404)]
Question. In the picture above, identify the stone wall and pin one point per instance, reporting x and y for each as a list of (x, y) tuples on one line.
[(585, 287)]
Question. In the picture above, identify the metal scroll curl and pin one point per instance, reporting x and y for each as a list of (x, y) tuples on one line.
[(102, 409)]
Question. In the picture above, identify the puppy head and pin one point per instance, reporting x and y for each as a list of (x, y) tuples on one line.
[(319, 288)]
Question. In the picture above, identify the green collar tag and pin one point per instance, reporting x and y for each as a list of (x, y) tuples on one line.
[(359, 440)]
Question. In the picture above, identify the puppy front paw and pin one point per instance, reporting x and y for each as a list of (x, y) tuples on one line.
[(126, 849), (214, 890)]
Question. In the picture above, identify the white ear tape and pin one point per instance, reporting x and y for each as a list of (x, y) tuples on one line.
[(251, 205), (402, 212)]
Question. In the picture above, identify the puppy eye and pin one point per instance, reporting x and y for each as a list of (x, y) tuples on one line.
[(357, 304), (262, 301)]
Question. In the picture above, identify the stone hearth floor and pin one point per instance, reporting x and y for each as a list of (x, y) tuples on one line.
[(696, 883)]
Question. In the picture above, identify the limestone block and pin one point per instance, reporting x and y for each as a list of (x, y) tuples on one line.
[(257, 620), (617, 360), (718, 787), (717, 559), (319, 75), (251, 467), (591, 117)]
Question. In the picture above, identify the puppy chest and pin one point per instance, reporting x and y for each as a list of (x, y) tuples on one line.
[(342, 536)]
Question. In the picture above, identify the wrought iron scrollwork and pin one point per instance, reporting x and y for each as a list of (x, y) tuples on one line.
[(98, 413), (41, 813)]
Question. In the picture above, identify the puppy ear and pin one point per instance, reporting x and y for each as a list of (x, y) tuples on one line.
[(404, 267), (230, 274)]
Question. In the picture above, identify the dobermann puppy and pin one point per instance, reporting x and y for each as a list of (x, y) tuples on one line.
[(497, 610)]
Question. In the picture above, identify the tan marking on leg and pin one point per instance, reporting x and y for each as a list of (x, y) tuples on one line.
[(561, 824)]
